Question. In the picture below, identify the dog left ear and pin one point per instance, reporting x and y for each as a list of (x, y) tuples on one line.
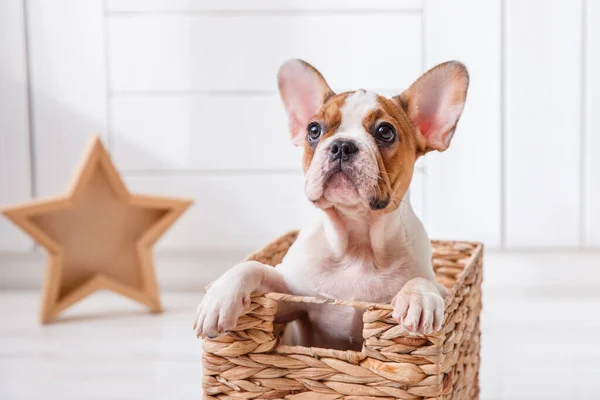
[(303, 91), (434, 103)]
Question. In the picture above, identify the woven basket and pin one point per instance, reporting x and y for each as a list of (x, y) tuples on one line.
[(250, 362)]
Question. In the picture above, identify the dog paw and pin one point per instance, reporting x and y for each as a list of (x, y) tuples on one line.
[(419, 311), (219, 311)]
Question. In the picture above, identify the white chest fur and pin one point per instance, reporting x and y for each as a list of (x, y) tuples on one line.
[(316, 265)]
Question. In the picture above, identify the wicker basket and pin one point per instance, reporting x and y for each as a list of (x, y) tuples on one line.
[(250, 363)]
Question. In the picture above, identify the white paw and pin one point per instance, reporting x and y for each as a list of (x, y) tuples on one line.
[(419, 311), (220, 310)]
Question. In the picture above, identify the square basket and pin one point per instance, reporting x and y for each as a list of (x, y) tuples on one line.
[(251, 363)]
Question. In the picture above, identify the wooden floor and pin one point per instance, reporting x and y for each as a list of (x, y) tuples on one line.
[(534, 347)]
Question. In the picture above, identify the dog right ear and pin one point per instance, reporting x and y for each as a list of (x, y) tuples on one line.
[(435, 102), (303, 91)]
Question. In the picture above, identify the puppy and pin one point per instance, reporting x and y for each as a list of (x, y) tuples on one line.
[(364, 241)]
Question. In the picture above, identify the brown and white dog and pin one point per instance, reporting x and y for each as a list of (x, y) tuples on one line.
[(365, 242)]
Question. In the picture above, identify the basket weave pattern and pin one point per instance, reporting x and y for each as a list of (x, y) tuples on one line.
[(250, 363)]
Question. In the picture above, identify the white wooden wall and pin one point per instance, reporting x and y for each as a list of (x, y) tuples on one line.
[(184, 95)]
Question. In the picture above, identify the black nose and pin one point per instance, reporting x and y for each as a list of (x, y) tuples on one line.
[(342, 149)]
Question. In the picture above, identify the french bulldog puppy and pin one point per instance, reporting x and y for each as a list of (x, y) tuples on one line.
[(364, 241)]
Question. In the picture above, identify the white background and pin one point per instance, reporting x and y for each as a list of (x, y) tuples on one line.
[(184, 96)]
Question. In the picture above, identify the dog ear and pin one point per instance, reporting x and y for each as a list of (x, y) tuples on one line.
[(434, 103), (303, 91)]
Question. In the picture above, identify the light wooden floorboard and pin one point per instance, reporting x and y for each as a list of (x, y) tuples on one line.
[(534, 347), (103, 348)]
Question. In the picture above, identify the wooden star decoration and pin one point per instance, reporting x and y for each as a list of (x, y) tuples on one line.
[(97, 235)]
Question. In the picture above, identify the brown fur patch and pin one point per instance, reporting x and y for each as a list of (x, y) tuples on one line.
[(396, 162), (330, 118)]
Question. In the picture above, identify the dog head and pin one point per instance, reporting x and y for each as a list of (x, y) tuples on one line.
[(360, 148)]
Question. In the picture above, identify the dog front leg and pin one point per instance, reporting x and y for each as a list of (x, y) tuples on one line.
[(419, 306), (227, 299)]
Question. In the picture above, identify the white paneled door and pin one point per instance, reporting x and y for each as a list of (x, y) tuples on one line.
[(591, 127), (184, 95), (67, 67), (202, 136), (464, 183), (15, 163), (543, 125), (199, 52)]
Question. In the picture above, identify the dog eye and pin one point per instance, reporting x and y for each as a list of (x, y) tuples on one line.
[(314, 131), (385, 132)]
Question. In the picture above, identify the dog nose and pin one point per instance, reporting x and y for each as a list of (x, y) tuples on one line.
[(342, 149)]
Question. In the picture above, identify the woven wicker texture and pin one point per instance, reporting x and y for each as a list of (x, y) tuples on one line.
[(250, 363)]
